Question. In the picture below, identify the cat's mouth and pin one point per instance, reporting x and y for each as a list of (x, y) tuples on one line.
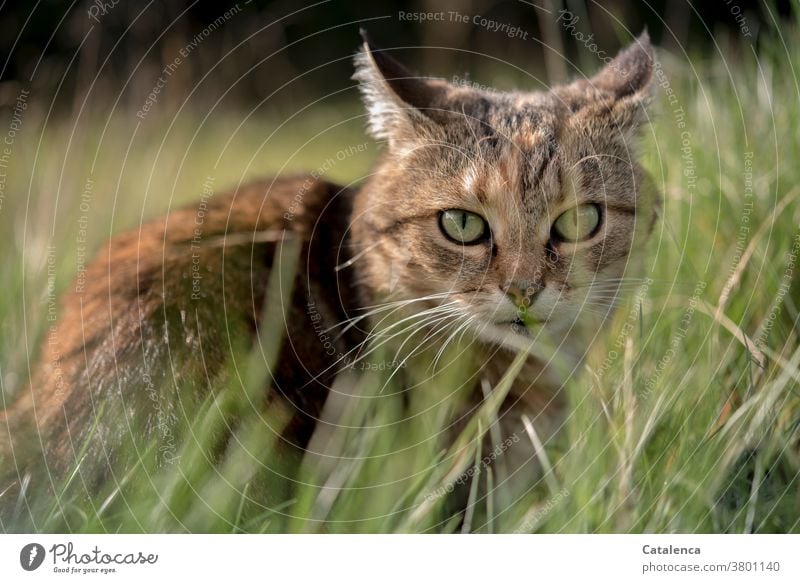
[(516, 325)]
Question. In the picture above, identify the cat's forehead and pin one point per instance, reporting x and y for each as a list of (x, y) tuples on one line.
[(511, 114), (512, 145), (534, 128), (524, 159), (519, 179)]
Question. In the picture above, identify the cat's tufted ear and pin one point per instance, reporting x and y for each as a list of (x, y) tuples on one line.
[(628, 80), (630, 73), (402, 107)]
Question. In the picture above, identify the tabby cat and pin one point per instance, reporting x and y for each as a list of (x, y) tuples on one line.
[(502, 218)]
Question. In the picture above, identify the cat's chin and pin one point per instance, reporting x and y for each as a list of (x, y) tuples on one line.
[(512, 335)]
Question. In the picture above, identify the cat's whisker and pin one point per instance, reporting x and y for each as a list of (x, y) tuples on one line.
[(605, 280), (369, 337), (373, 337), (616, 285), (443, 347), (395, 302), (467, 325), (413, 328), (603, 297), (436, 332), (384, 336), (610, 293), (606, 296), (590, 156), (394, 306), (448, 307), (419, 326), (610, 285), (357, 256), (461, 328), (426, 340), (630, 284), (599, 309)]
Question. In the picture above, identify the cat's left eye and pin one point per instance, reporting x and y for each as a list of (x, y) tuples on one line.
[(578, 223), (463, 226)]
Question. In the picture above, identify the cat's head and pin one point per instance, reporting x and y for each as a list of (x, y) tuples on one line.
[(489, 202)]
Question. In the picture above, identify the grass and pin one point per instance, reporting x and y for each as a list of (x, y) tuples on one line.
[(685, 419)]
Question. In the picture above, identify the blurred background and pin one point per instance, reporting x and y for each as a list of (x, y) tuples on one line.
[(283, 52), (115, 111)]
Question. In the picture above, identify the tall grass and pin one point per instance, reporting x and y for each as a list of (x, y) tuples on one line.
[(685, 418)]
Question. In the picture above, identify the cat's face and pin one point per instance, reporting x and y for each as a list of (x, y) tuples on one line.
[(504, 208)]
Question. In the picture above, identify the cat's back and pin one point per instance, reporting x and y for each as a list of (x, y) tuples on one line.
[(163, 306)]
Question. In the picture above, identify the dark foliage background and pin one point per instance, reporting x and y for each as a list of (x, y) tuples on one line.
[(62, 49)]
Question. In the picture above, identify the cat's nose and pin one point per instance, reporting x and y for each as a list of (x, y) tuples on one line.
[(523, 293)]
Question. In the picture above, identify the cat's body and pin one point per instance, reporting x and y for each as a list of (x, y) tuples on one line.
[(166, 304), (163, 306)]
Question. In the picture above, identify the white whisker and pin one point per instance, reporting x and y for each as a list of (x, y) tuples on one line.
[(439, 354), (431, 316), (357, 256), (428, 338)]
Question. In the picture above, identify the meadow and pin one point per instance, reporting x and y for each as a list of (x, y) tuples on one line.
[(686, 417)]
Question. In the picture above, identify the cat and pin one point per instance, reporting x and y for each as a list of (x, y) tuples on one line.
[(508, 217)]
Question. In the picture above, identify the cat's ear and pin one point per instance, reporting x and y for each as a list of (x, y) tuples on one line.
[(628, 80), (402, 107)]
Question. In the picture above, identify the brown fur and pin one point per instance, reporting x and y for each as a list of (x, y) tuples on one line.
[(137, 316)]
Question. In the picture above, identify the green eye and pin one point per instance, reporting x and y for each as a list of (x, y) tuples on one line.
[(463, 226), (577, 224)]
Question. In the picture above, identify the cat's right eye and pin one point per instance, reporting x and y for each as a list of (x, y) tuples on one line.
[(463, 226), (578, 223)]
